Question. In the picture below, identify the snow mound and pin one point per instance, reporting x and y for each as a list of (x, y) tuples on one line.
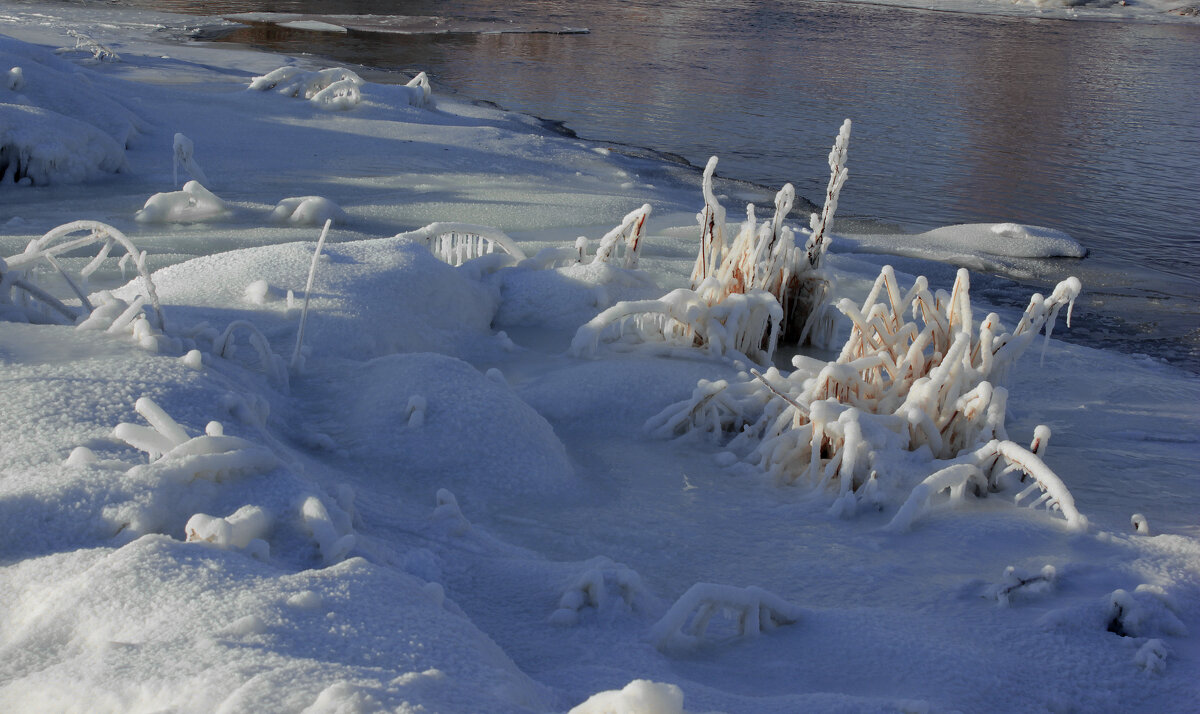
[(476, 437), (220, 619), (307, 211), (56, 124), (370, 298), (194, 204), (335, 88), (999, 240), (641, 696)]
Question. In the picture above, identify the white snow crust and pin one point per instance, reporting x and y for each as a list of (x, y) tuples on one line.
[(429, 503)]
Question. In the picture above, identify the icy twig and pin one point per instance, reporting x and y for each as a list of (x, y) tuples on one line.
[(296, 362)]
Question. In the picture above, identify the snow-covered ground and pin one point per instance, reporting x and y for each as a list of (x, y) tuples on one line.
[(435, 505)]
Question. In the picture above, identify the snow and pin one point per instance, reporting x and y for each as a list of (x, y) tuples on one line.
[(430, 502)]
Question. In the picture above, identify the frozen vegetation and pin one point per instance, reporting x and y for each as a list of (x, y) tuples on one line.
[(425, 409)]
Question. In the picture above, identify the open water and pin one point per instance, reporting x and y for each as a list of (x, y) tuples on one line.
[(1089, 127)]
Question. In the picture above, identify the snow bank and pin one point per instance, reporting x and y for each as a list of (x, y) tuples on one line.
[(58, 124), (371, 297), (235, 641)]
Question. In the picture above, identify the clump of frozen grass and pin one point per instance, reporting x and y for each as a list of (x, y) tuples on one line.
[(926, 384), (25, 294), (754, 611), (183, 154), (193, 204), (746, 296)]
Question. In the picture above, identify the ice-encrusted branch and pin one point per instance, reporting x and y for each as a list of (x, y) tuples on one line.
[(15, 270), (755, 611), (295, 364)]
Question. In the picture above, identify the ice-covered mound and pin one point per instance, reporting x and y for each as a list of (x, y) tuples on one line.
[(57, 124), (370, 297), (162, 623), (442, 423), (1005, 240), (395, 24)]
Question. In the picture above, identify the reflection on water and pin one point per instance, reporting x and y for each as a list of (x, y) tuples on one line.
[(1088, 127)]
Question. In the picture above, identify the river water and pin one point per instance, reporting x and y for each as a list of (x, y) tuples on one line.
[(1089, 127)]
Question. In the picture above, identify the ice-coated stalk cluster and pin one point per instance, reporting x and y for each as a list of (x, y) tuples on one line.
[(747, 296), (915, 374)]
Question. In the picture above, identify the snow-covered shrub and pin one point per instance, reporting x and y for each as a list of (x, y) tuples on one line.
[(24, 295), (456, 243), (194, 204), (927, 384), (307, 211), (754, 610)]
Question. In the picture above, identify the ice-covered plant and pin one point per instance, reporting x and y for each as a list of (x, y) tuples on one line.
[(746, 296), (914, 375), (456, 243), (23, 295), (625, 239)]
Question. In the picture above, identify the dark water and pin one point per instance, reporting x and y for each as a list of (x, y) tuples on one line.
[(1089, 127)]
